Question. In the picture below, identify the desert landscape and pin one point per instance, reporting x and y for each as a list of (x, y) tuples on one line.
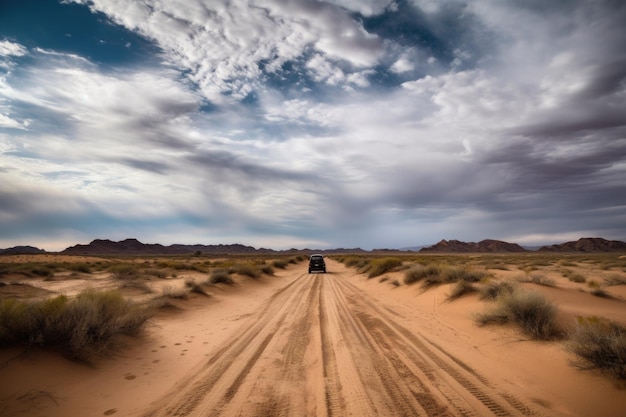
[(393, 334)]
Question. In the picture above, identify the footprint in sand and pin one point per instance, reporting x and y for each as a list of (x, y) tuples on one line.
[(110, 412), (130, 377)]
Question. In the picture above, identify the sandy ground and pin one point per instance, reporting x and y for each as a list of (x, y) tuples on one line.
[(336, 344)]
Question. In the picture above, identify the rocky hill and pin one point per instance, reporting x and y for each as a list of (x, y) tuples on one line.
[(21, 250), (135, 247), (587, 244), (484, 246)]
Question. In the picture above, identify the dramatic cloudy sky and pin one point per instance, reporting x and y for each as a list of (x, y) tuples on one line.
[(306, 123)]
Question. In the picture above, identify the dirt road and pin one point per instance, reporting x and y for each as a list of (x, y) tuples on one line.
[(322, 347)]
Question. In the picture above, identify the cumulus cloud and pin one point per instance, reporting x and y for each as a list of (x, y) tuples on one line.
[(226, 46)]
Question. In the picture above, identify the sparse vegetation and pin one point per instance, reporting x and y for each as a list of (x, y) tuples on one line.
[(220, 276), (248, 269), (279, 263), (380, 266), (600, 292), (171, 292), (195, 287), (535, 316), (494, 290), (460, 289), (615, 279), (82, 328), (573, 277), (541, 279), (599, 343), (437, 274)]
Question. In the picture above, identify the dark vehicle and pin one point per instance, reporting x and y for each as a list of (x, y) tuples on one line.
[(316, 263)]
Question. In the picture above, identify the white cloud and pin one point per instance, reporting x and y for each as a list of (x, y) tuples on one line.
[(402, 65), (8, 48), (223, 43)]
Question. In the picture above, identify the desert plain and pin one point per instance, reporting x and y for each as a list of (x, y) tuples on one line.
[(355, 341)]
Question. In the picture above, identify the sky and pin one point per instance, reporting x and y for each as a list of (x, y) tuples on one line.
[(312, 124)]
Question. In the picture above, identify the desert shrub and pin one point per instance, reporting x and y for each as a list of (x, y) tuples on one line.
[(124, 271), (279, 263), (137, 285), (535, 316), (456, 273), (600, 292), (615, 279), (395, 283), (437, 274), (157, 273), (220, 276), (357, 262), (195, 287), (42, 271), (577, 278), (82, 327), (460, 289), (493, 290), (78, 267), (419, 272), (380, 266), (248, 269), (267, 269), (593, 284), (171, 292), (541, 279), (599, 343)]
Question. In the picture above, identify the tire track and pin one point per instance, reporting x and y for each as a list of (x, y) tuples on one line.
[(453, 378), (322, 347), (225, 371)]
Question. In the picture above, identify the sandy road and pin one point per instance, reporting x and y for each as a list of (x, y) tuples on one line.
[(322, 347)]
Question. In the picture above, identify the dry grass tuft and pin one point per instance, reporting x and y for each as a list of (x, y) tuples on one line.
[(220, 276), (535, 316), (460, 289), (82, 328), (601, 344), (381, 266)]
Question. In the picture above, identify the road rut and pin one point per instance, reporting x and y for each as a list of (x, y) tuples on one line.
[(320, 346)]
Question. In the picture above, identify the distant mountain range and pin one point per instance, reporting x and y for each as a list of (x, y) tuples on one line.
[(589, 244), (135, 247), (487, 245), (18, 250)]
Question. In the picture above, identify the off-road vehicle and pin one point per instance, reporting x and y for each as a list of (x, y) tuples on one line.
[(316, 263)]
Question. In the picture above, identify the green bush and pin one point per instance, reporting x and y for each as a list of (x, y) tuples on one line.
[(599, 343), (83, 327)]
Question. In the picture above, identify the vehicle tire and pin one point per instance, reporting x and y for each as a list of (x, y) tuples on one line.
[(309, 270), (324, 271)]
